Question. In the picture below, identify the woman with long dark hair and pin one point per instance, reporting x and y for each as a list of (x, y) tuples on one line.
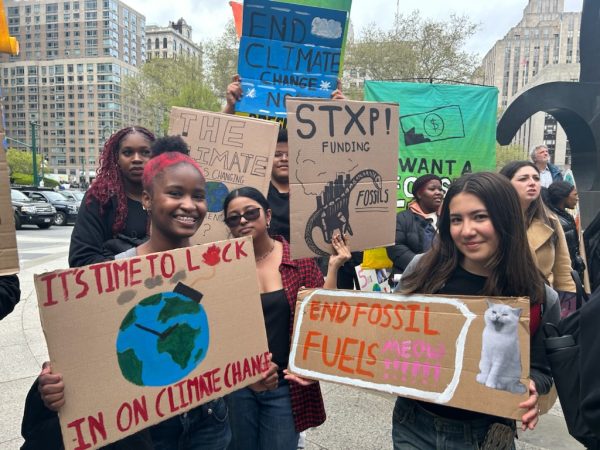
[(544, 233), (560, 196), (481, 250), (416, 227), (270, 414), (111, 218)]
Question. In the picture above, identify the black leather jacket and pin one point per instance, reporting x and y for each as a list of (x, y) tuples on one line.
[(572, 236)]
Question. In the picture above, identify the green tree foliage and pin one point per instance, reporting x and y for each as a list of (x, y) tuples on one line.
[(414, 48), (163, 83), (27, 180), (21, 161), (221, 60), (506, 153)]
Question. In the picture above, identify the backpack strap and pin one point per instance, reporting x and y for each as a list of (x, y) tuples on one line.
[(582, 296)]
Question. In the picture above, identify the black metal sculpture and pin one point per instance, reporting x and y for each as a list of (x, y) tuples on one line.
[(576, 106)]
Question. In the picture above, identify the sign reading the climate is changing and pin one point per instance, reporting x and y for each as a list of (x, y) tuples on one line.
[(288, 50)]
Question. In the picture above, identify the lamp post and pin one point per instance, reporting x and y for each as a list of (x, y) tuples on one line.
[(33, 154), (36, 180)]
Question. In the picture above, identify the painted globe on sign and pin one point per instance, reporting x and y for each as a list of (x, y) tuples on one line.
[(215, 195), (162, 339)]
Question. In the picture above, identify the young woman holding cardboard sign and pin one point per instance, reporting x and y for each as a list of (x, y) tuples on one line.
[(174, 197), (263, 417), (481, 250)]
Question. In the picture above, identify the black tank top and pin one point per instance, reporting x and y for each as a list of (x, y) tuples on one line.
[(276, 312)]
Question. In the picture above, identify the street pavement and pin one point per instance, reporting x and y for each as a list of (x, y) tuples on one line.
[(357, 419)]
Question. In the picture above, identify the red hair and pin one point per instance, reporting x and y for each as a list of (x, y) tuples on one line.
[(163, 161), (109, 182)]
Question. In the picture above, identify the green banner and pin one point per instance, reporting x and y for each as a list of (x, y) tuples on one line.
[(445, 129)]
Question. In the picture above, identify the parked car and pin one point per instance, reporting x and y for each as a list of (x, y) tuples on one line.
[(31, 212), (66, 210), (73, 195)]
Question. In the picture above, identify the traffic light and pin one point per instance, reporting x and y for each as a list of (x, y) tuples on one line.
[(8, 44)]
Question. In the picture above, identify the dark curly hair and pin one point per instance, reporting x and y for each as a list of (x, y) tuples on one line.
[(109, 181), (169, 144)]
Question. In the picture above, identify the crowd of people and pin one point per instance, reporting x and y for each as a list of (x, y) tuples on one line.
[(505, 234)]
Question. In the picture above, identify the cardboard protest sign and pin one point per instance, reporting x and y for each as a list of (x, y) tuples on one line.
[(288, 50), (9, 258), (143, 339), (374, 280), (438, 349), (233, 151), (447, 130), (342, 174)]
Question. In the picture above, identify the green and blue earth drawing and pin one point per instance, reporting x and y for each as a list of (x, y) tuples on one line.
[(215, 195), (163, 338)]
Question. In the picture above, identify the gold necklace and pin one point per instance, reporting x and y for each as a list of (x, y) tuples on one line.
[(260, 258)]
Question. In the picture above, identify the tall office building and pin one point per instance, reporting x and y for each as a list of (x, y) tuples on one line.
[(543, 47), (172, 41), (67, 79)]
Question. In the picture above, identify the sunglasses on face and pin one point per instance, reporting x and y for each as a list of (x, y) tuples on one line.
[(250, 215)]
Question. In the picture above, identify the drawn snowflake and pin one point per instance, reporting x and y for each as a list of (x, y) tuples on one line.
[(325, 85), (251, 93)]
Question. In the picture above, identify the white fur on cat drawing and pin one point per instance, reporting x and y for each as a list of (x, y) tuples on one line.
[(500, 364)]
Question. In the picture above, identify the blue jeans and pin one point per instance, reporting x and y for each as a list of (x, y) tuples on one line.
[(414, 428), (262, 420), (205, 427)]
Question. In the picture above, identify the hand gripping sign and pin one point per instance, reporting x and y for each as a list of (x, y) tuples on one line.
[(438, 349)]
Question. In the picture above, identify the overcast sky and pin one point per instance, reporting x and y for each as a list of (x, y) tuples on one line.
[(495, 17)]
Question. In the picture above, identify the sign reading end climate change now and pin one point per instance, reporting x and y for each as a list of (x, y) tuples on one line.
[(288, 50)]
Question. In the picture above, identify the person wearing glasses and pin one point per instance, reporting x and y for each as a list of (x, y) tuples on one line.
[(261, 416)]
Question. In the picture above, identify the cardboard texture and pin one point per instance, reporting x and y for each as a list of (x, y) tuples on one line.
[(447, 130), (9, 258), (288, 50), (142, 339), (424, 347), (233, 151), (343, 169)]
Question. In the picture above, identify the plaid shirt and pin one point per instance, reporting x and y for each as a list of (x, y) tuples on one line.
[(307, 402)]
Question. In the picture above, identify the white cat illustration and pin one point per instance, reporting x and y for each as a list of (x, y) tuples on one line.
[(500, 364)]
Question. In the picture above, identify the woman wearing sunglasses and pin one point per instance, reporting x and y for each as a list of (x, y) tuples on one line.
[(272, 413)]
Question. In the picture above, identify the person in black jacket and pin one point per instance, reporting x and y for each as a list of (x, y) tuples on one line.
[(111, 218), (416, 227), (10, 294), (562, 195), (589, 357)]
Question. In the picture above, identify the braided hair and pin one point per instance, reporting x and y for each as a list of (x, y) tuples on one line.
[(109, 180)]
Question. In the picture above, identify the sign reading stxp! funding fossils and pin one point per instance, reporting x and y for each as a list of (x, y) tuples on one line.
[(233, 151), (343, 168), (465, 352), (9, 258), (288, 50), (143, 339)]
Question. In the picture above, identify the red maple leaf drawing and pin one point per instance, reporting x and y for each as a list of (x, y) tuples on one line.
[(212, 256)]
